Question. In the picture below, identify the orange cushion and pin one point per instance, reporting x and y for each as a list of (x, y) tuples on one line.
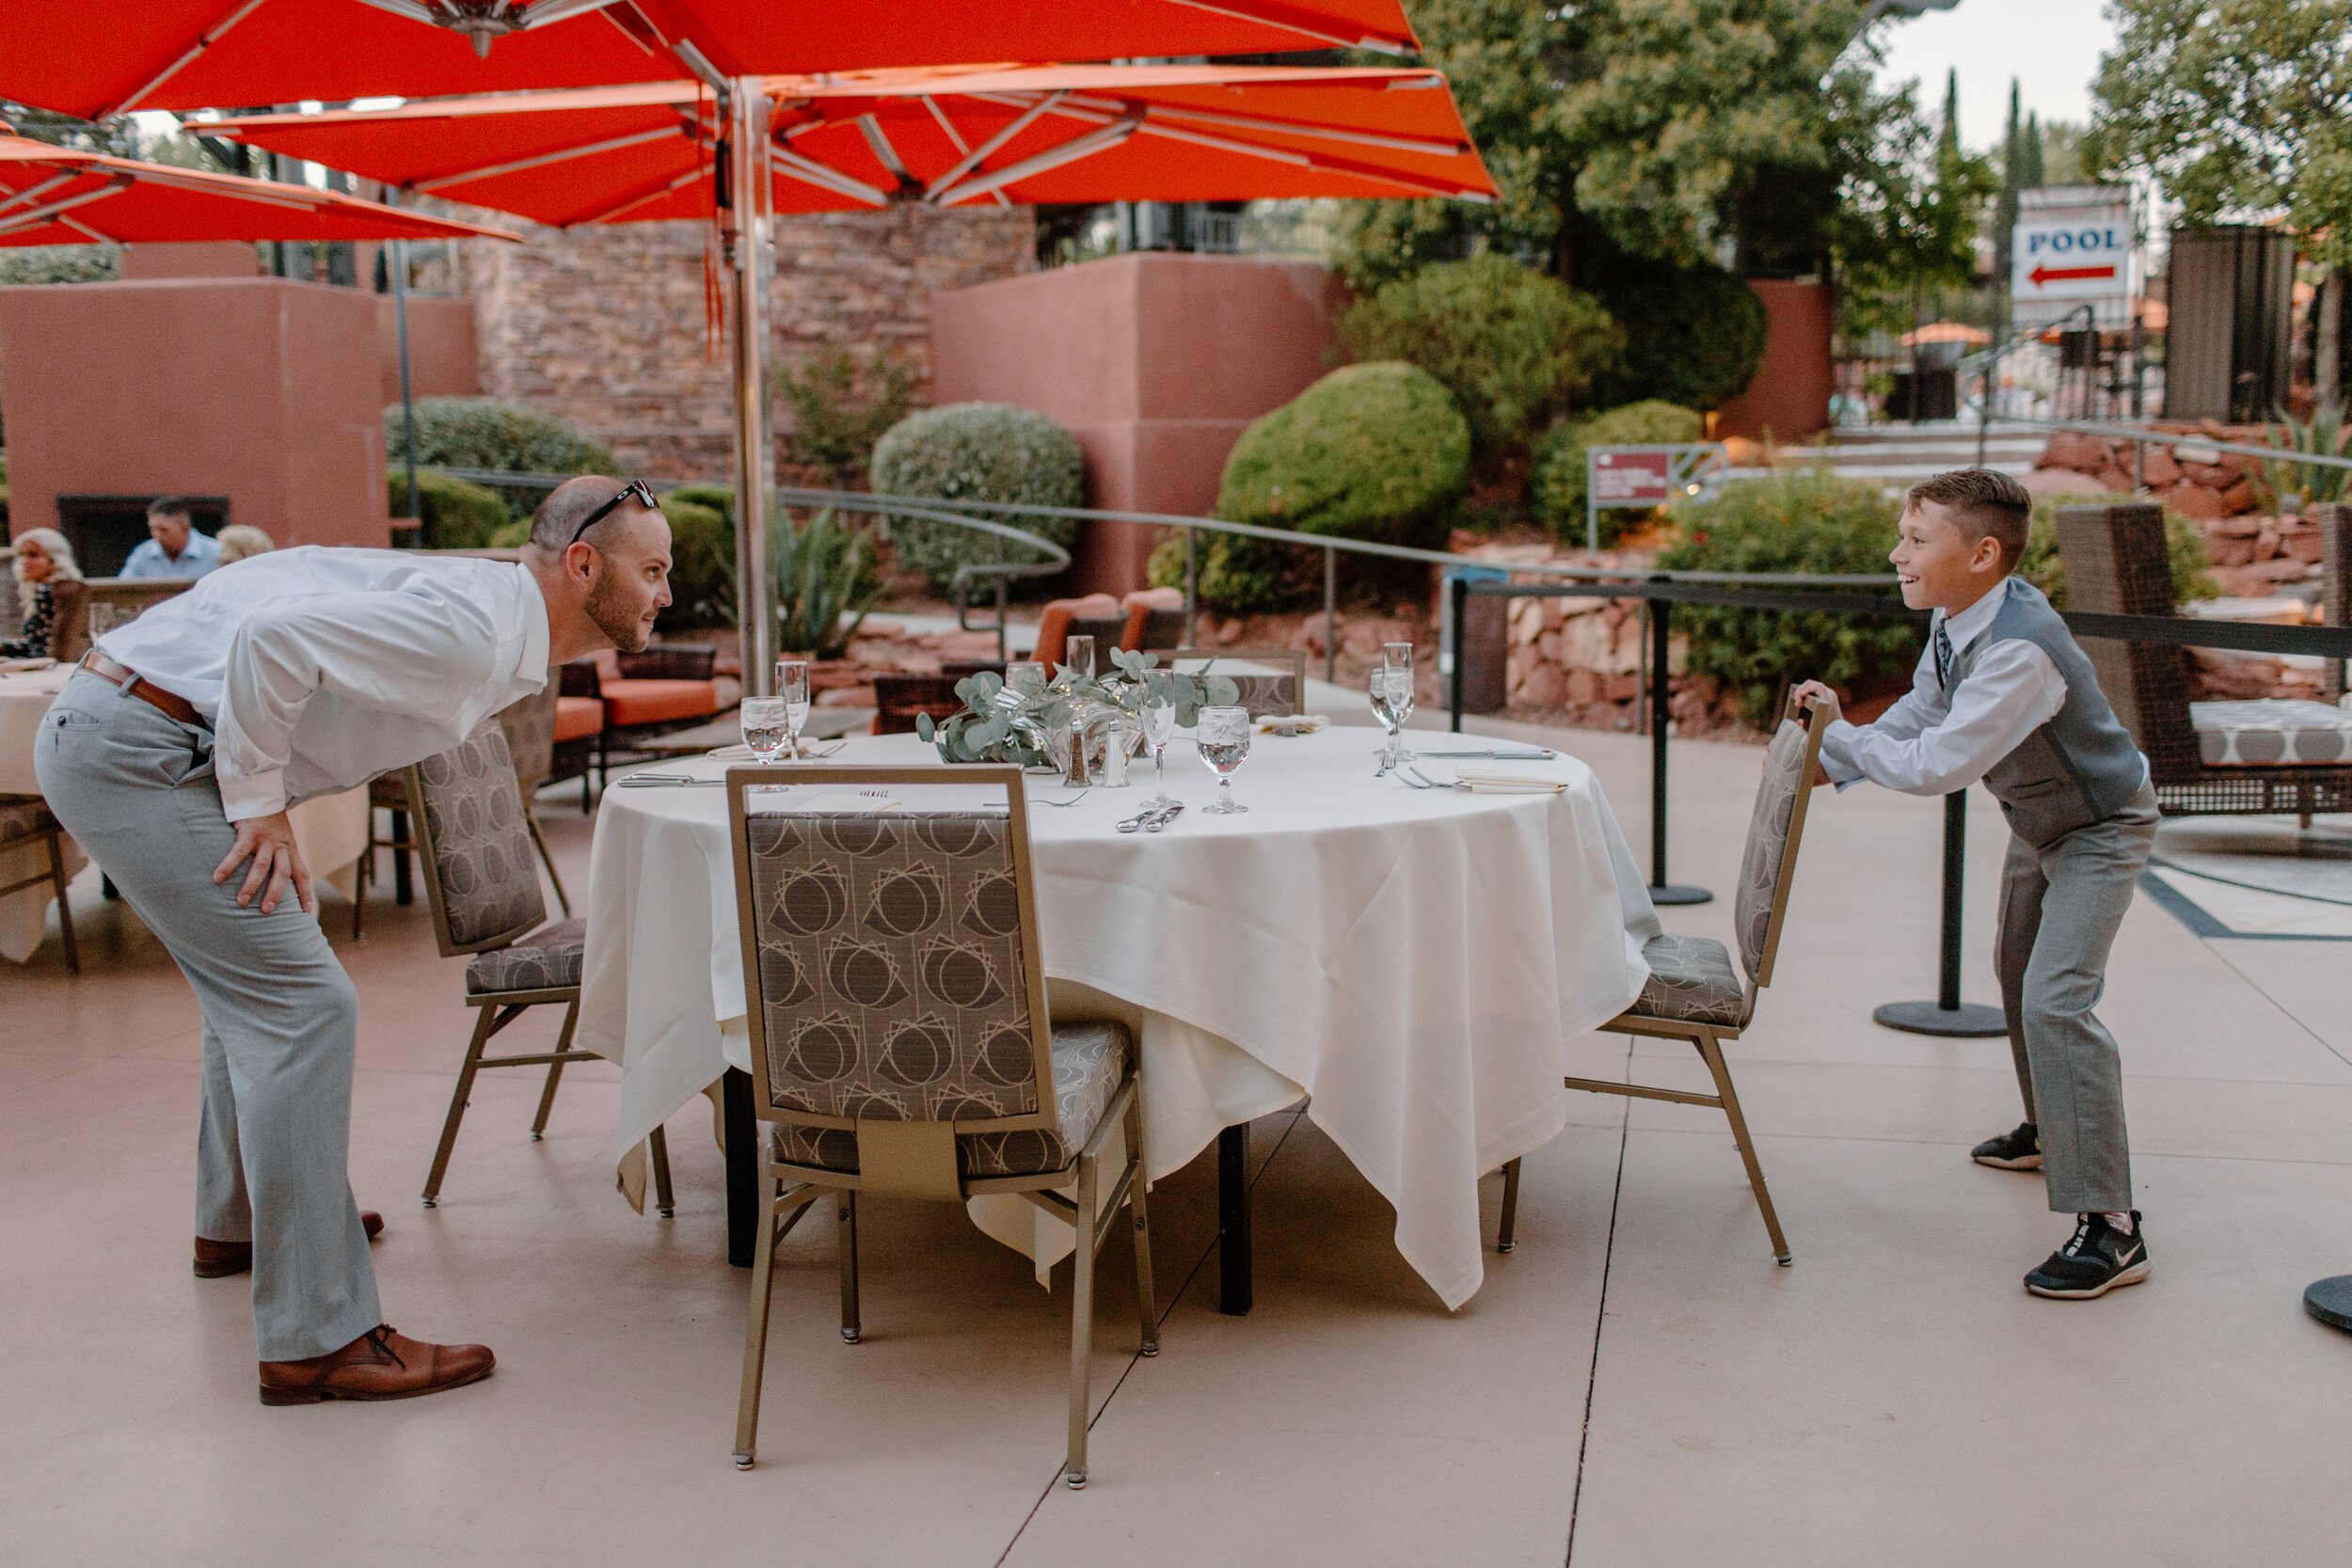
[(628, 702), (578, 717)]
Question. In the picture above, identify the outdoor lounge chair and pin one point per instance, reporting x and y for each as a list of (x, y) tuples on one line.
[(661, 687), (2206, 759), (475, 847), (901, 1046), (1693, 992)]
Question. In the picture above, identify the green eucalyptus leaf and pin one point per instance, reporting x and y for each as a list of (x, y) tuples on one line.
[(923, 725), (1187, 715), (1222, 691)]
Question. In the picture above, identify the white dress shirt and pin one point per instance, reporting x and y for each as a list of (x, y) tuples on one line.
[(1929, 745), (320, 669)]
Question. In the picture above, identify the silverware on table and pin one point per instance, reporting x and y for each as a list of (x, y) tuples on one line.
[(1129, 824), (1420, 779), (1522, 753), (1040, 800), (1162, 817)]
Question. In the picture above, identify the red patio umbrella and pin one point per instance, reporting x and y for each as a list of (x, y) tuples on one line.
[(95, 60), (937, 137), (59, 196)]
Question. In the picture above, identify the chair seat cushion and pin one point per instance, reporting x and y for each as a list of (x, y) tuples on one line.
[(2274, 733), (578, 717), (1090, 1062), (650, 702), (23, 816), (1690, 981), (547, 959)]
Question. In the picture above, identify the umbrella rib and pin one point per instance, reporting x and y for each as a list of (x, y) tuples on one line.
[(1323, 132), (566, 154), (935, 191), (1421, 183), (264, 191), (1290, 21), (946, 126), (549, 12), (810, 172), (1085, 144), (636, 201), (34, 192), (870, 128), (204, 41), (39, 216)]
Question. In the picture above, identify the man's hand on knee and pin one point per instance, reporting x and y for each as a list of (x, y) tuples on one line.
[(268, 842)]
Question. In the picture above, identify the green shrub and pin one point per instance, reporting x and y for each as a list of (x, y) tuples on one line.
[(980, 452), (1791, 522), (457, 516), (719, 498), (702, 565), (838, 415), (2184, 548), (483, 432), (824, 571), (1513, 345), (1558, 470), (1693, 336)]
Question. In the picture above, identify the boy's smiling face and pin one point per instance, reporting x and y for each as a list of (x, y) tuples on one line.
[(1943, 563)]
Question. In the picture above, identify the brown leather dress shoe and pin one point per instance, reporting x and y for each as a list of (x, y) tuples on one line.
[(381, 1364), (219, 1259)]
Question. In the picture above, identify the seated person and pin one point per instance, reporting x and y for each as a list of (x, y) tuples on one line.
[(173, 548), (239, 540), (42, 555)]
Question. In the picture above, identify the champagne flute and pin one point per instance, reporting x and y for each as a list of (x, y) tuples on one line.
[(766, 727), (1223, 737), (1078, 657), (1377, 683), (1025, 677), (1159, 728), (1397, 658), (792, 690)]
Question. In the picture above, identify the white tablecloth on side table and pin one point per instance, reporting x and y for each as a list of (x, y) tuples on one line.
[(331, 831), (1415, 959)]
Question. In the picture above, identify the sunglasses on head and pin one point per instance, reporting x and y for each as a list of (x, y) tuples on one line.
[(636, 487)]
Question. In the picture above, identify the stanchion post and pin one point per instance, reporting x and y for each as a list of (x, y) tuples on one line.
[(1460, 587), (1947, 1015), (1661, 638)]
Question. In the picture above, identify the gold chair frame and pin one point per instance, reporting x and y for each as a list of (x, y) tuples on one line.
[(54, 836), (1708, 1038), (917, 1159)]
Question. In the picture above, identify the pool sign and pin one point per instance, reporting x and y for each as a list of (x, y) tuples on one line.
[(2065, 254)]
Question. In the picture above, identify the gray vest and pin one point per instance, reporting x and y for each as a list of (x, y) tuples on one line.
[(2083, 766)]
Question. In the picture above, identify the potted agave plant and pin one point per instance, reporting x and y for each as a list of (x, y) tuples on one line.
[(825, 586), (1041, 725)]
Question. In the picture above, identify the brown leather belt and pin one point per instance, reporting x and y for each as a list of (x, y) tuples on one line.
[(145, 691)]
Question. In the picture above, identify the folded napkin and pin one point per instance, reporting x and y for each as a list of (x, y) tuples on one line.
[(1292, 723), (1487, 779)]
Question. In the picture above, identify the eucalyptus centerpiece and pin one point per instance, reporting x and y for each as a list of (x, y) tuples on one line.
[(1032, 724)]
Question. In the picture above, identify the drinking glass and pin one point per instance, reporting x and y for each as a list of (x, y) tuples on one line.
[(1397, 659), (1223, 737), (766, 727), (1159, 728), (1025, 676), (1077, 655), (792, 690)]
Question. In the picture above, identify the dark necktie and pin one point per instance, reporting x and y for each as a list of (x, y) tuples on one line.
[(1942, 659)]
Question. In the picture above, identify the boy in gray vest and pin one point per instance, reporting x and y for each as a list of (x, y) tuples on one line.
[(2005, 695)]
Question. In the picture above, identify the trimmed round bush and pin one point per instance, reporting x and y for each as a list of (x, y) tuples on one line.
[(991, 452), (1693, 336), (1557, 476), (485, 433), (702, 566), (457, 516)]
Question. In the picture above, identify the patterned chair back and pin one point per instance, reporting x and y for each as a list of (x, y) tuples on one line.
[(890, 958), (481, 873), (1775, 828), (530, 727), (1279, 695)]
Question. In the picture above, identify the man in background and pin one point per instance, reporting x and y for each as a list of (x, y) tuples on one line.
[(173, 548)]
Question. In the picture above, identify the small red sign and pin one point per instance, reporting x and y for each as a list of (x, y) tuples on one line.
[(1637, 477)]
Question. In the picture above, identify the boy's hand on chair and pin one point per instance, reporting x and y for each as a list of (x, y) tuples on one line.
[(1823, 697)]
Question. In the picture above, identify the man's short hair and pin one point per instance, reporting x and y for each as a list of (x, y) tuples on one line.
[(551, 526), (171, 506), (1992, 503)]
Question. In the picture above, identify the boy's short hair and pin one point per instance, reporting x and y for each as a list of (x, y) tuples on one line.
[(1993, 503)]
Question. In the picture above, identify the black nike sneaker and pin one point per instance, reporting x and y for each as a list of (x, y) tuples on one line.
[(2096, 1260), (2018, 1150)]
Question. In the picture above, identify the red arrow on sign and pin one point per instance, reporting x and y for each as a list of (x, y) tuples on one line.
[(2042, 275)]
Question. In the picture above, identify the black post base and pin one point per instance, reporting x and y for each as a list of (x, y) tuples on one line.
[(2331, 1302), (1237, 1290), (742, 1127), (1969, 1020), (1676, 894)]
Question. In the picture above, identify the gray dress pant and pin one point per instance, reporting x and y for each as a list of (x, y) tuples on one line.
[(135, 789), (2061, 906)]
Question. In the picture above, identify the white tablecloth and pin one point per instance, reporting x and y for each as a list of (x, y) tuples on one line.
[(331, 831), (1415, 959)]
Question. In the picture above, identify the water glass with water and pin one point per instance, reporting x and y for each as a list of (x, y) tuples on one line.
[(1396, 658), (1223, 737), (766, 727), (792, 690), (1077, 655)]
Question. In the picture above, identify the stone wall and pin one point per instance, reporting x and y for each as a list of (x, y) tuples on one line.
[(605, 327)]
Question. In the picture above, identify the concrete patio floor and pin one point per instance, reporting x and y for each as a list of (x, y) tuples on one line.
[(1637, 1383)]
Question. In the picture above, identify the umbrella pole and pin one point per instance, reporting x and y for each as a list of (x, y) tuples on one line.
[(749, 265), (398, 265)]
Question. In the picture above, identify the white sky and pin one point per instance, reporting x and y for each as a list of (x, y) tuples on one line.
[(2051, 46)]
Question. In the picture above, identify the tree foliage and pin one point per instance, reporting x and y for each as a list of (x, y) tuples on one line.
[(841, 408)]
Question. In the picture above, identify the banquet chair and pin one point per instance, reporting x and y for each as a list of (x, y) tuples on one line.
[(475, 851), (26, 819), (901, 1046), (1277, 695), (530, 727), (1692, 992)]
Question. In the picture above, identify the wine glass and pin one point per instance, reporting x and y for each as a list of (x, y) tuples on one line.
[(1397, 659), (766, 727), (1159, 728), (1223, 737), (1078, 657), (1025, 677), (792, 690)]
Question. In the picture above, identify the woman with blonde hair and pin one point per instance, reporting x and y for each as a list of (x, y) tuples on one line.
[(239, 540), (42, 555)]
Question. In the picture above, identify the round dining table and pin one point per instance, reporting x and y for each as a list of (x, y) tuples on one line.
[(1413, 961)]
